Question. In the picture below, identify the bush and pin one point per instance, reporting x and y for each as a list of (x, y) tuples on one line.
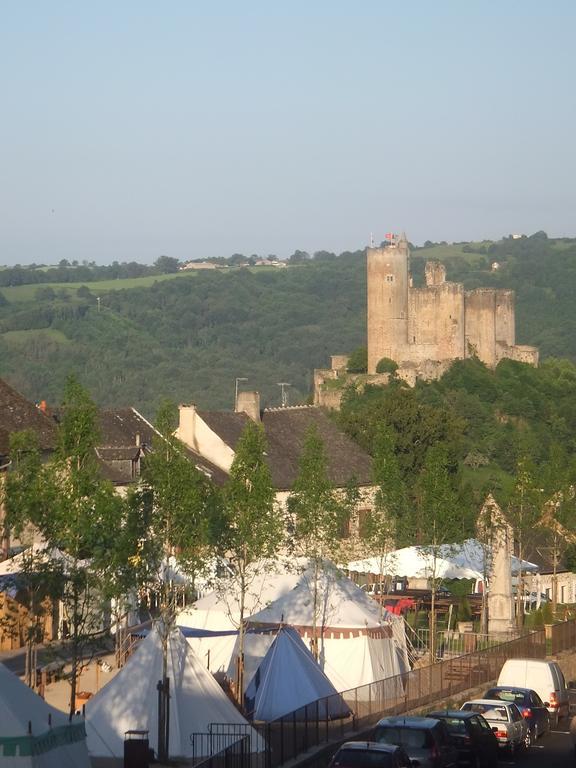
[(386, 366), (464, 610), (358, 361)]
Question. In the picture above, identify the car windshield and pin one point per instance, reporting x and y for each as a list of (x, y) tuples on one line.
[(363, 758), (455, 724), (489, 711), (415, 738), (516, 696)]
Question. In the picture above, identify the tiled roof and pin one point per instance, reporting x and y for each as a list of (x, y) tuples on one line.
[(17, 413), (123, 427), (286, 430)]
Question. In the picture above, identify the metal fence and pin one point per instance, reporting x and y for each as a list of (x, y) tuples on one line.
[(224, 745), (311, 726), (561, 636)]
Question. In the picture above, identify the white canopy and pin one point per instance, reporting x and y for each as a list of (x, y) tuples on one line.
[(417, 563), (37, 553), (288, 679), (453, 561), (471, 554), (35, 735), (130, 701)]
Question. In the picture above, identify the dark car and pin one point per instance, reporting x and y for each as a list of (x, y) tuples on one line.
[(476, 742), (425, 739), (368, 754), (530, 705)]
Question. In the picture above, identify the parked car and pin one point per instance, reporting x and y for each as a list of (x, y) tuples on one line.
[(471, 733), (544, 677), (505, 719), (369, 754), (425, 739), (530, 705)]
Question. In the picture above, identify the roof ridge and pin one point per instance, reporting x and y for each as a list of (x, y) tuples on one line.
[(290, 408)]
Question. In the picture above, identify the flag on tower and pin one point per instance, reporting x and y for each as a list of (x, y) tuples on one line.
[(389, 236)]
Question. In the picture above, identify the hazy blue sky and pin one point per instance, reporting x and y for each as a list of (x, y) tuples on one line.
[(131, 129)]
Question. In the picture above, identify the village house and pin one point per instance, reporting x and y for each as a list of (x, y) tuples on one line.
[(215, 434)]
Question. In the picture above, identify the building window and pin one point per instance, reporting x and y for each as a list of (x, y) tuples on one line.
[(345, 528), (389, 278), (362, 519)]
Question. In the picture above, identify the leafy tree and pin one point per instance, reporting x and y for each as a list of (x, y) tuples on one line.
[(76, 512), (437, 523), (523, 514), (386, 522), (167, 265), (45, 294), (252, 530), (317, 512), (358, 361), (299, 257)]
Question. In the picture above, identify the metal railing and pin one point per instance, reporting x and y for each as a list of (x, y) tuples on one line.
[(449, 642), (311, 726), (224, 745)]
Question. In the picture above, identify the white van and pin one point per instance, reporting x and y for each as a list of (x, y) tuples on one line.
[(544, 677)]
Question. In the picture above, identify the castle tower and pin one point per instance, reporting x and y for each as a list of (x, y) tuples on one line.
[(387, 301)]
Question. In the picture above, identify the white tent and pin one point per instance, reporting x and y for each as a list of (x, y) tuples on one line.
[(471, 554), (288, 679), (357, 644), (130, 701), (219, 612), (453, 561), (35, 735), (37, 553), (415, 562)]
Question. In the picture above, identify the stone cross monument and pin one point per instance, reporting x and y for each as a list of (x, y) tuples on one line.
[(497, 534)]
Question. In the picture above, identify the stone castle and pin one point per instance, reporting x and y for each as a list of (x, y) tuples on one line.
[(423, 330)]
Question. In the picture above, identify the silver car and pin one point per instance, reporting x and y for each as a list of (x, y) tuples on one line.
[(505, 719)]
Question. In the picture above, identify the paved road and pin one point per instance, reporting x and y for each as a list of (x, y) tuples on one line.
[(554, 750)]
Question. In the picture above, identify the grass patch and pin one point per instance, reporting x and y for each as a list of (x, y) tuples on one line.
[(24, 293), (48, 334)]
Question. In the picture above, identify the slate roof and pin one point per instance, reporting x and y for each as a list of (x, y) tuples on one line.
[(286, 430), (18, 413), (119, 428)]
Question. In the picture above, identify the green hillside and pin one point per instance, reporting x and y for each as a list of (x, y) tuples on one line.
[(188, 338)]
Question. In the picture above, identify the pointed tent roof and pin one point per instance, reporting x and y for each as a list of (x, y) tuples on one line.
[(130, 700), (341, 603), (25, 723), (288, 679)]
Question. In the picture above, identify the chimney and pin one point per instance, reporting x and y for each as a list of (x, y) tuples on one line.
[(249, 403), (186, 430)]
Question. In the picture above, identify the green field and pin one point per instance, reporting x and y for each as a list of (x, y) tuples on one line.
[(443, 252), (49, 334), (22, 293)]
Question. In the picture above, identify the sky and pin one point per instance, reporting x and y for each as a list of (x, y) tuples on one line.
[(139, 128)]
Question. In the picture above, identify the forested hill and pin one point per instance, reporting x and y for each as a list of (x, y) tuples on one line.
[(188, 336)]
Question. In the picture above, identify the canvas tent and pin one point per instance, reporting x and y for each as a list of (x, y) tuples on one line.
[(130, 701), (414, 562), (289, 678), (35, 735), (357, 644), (216, 616), (453, 561)]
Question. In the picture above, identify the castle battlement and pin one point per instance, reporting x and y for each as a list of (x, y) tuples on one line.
[(437, 323), (424, 329)]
